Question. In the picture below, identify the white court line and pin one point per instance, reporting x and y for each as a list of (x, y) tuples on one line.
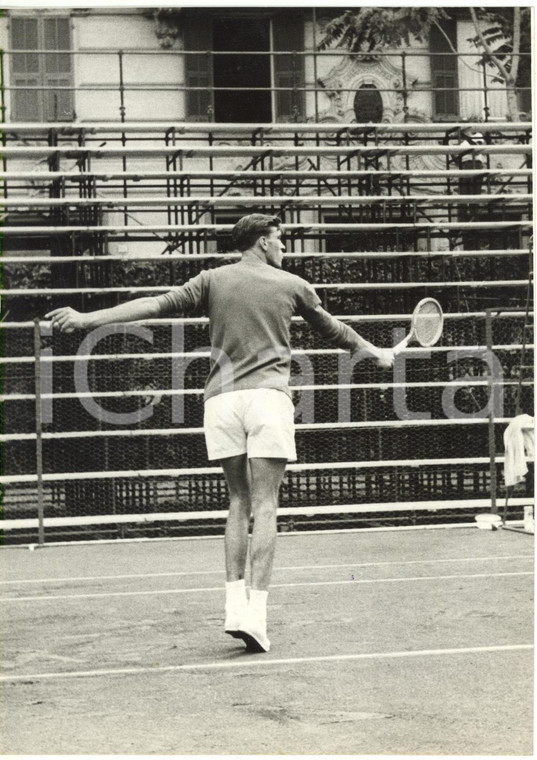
[(141, 576), (251, 663), (156, 592)]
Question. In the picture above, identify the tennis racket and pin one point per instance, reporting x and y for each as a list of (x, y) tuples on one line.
[(426, 325)]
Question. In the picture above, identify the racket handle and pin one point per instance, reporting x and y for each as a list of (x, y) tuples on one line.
[(374, 351), (402, 344)]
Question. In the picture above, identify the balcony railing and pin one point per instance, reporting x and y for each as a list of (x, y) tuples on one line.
[(308, 96)]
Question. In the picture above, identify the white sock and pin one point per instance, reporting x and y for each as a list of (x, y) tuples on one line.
[(236, 592), (258, 601)]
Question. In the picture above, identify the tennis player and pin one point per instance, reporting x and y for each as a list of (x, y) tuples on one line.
[(248, 418)]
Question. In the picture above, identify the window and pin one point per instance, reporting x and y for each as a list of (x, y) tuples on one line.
[(243, 60), (242, 69), (50, 71), (198, 68), (368, 105), (524, 85), (445, 80), (288, 35)]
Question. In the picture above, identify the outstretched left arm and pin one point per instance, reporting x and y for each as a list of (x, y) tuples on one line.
[(177, 301), (67, 320)]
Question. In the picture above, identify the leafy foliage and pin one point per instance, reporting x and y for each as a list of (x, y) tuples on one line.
[(365, 30), (498, 34)]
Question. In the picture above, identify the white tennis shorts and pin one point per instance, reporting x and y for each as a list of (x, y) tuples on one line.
[(258, 422)]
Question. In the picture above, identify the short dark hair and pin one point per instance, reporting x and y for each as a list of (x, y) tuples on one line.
[(251, 227)]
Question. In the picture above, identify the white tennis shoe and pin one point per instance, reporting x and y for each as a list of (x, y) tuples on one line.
[(253, 631), (236, 605), (234, 615)]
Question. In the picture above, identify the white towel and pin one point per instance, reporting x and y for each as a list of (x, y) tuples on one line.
[(519, 442)]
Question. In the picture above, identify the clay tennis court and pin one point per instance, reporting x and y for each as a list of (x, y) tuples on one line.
[(383, 642)]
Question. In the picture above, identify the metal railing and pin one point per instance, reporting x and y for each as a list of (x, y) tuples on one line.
[(321, 92)]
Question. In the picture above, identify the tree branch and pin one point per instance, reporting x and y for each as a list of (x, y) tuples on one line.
[(488, 50), (516, 44)]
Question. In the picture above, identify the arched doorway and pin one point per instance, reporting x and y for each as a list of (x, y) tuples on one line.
[(368, 105)]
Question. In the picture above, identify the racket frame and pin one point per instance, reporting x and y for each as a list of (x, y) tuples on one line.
[(412, 333)]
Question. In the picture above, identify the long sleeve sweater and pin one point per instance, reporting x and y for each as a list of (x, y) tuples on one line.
[(250, 305)]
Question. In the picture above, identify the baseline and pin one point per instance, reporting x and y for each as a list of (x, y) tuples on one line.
[(247, 663), (155, 592), (177, 574)]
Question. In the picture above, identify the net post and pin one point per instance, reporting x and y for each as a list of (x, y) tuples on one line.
[(491, 435), (39, 432)]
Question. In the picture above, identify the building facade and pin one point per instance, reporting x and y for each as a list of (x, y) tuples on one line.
[(233, 65)]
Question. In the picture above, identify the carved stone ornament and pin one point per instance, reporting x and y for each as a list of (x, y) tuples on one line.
[(348, 76), (345, 79), (167, 26)]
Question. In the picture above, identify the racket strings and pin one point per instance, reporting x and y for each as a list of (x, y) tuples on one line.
[(428, 323)]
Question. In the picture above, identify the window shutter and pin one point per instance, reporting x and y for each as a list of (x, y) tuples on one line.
[(444, 72), (288, 35), (198, 73), (25, 104), (57, 70), (46, 71)]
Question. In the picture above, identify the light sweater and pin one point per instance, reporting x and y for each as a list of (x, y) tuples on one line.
[(250, 305)]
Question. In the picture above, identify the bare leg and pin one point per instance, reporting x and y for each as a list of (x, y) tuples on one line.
[(266, 477), (254, 486), (236, 536)]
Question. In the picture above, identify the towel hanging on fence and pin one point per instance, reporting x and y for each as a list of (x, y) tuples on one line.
[(519, 442)]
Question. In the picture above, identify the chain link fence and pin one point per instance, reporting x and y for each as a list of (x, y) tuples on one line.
[(119, 450)]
